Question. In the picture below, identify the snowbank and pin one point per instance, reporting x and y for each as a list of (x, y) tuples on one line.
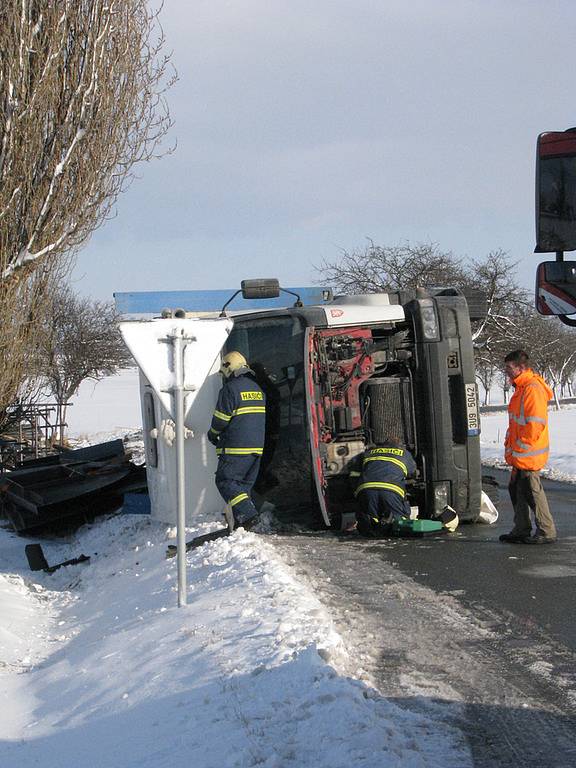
[(251, 672), (109, 405)]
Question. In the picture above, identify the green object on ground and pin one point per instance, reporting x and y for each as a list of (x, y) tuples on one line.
[(405, 527)]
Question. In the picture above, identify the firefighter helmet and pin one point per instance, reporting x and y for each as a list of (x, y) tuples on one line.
[(231, 362)]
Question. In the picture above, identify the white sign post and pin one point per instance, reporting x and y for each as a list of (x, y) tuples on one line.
[(175, 356), (179, 342)]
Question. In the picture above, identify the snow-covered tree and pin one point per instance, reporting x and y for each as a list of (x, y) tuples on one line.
[(81, 102)]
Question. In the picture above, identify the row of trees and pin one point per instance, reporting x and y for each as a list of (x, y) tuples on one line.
[(551, 346), (511, 322), (82, 89)]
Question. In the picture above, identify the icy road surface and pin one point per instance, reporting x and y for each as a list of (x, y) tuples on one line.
[(507, 685)]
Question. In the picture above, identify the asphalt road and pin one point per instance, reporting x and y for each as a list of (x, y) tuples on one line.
[(536, 584), (475, 633)]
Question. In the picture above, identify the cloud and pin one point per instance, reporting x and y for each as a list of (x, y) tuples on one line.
[(303, 126)]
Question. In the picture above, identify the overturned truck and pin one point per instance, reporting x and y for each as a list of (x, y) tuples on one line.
[(379, 365)]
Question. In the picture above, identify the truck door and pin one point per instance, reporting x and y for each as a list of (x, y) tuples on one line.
[(311, 385)]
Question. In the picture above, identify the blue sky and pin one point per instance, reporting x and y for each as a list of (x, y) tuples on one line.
[(304, 128)]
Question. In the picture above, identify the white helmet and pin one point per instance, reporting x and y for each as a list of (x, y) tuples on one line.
[(231, 362)]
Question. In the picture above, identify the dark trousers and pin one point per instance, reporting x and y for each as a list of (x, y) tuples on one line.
[(526, 493), (235, 478), (377, 510)]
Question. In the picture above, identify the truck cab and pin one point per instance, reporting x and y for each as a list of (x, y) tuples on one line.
[(364, 368)]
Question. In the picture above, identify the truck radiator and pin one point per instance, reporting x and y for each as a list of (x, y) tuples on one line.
[(390, 410)]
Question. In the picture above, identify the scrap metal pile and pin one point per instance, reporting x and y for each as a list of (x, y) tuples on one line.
[(68, 486)]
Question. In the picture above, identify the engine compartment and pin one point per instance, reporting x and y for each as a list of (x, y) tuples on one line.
[(362, 390)]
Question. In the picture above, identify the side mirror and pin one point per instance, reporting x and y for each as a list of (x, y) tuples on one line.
[(260, 289), (556, 288), (556, 192)]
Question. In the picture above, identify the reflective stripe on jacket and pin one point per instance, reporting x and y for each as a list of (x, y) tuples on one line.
[(374, 486), (383, 468), (527, 443), (239, 417)]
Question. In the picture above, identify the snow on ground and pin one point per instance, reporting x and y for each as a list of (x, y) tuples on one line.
[(562, 425), (98, 667), (109, 405), (105, 670)]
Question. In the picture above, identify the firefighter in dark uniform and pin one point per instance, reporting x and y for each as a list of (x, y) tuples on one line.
[(379, 476), (266, 479), (238, 431)]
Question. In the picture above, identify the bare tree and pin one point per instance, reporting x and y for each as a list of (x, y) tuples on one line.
[(22, 309), (376, 268), (552, 349), (486, 371), (506, 300), (81, 102), (80, 341), (495, 275)]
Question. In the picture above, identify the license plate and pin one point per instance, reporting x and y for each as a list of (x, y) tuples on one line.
[(472, 414)]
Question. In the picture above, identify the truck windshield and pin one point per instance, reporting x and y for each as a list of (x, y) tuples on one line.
[(274, 348), (276, 343)]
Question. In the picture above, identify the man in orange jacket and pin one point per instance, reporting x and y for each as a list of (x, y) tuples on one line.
[(526, 450)]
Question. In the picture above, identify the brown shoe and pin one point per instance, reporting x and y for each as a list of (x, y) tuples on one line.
[(539, 539)]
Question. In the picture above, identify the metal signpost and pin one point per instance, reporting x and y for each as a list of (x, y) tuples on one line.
[(179, 342)]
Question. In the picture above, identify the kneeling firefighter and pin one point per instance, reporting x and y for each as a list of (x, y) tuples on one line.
[(238, 432), (380, 475)]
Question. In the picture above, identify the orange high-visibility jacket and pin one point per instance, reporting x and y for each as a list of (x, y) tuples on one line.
[(526, 445)]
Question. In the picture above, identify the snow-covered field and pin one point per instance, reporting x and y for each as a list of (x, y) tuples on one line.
[(562, 425), (110, 405), (98, 667)]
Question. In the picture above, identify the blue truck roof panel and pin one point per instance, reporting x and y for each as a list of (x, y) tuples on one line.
[(153, 302)]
